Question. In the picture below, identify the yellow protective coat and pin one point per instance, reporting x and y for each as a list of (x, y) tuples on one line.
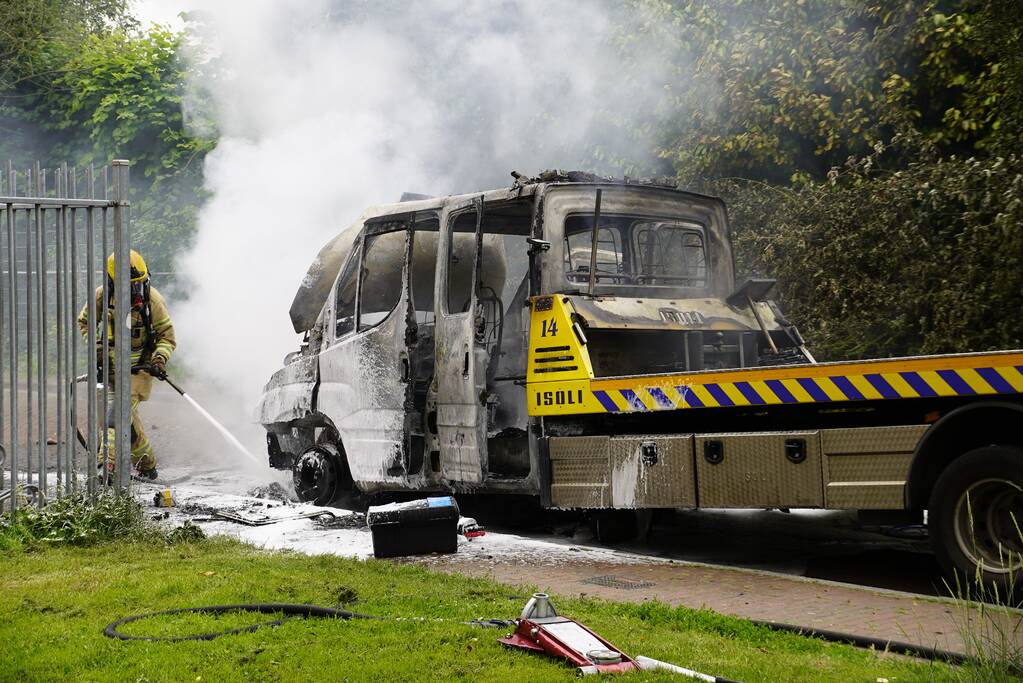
[(141, 382)]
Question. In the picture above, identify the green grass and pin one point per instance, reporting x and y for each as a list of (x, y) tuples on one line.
[(56, 600)]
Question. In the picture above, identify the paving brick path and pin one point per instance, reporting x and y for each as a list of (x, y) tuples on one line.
[(888, 615)]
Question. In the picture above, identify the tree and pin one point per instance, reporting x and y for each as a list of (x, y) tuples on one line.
[(126, 91), (873, 262), (791, 88), (108, 92), (37, 37)]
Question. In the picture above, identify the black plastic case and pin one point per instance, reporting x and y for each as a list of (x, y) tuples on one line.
[(418, 527)]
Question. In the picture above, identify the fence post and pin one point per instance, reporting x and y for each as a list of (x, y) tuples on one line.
[(122, 318), (105, 369), (59, 237), (41, 330), (29, 329), (90, 338), (12, 327), (71, 463)]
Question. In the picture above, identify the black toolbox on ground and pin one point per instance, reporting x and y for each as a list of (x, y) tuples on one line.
[(414, 528)]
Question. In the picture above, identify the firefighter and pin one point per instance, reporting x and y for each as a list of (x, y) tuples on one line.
[(152, 342)]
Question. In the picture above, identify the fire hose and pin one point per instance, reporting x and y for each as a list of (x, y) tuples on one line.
[(291, 610), (539, 628)]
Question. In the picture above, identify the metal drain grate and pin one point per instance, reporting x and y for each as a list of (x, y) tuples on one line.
[(620, 582)]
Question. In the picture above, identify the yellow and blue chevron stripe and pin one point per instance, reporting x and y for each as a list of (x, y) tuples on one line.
[(924, 377)]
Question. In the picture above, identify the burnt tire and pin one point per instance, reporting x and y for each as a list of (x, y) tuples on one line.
[(975, 517), (319, 474)]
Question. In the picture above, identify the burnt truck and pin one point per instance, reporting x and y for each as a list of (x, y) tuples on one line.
[(583, 340)]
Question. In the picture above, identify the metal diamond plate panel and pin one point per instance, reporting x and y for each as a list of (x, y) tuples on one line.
[(845, 468), (901, 439), (755, 472), (874, 496), (665, 477), (866, 468), (580, 475)]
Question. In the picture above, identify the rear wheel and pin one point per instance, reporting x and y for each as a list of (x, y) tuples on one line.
[(976, 519)]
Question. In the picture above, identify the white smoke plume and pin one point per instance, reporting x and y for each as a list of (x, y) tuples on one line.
[(325, 107)]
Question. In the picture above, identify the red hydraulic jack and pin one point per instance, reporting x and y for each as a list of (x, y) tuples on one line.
[(540, 629)]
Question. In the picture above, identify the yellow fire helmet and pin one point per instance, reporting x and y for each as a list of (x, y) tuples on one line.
[(139, 271), (139, 295)]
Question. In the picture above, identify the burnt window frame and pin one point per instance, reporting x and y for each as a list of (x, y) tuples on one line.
[(354, 261), (429, 218), (683, 226), (628, 246), (376, 227), (479, 209), (555, 200)]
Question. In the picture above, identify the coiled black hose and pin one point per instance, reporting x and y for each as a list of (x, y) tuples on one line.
[(291, 610)]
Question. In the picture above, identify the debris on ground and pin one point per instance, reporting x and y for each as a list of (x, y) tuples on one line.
[(343, 519), (344, 533), (273, 491), (470, 528), (196, 509), (263, 520), (186, 533)]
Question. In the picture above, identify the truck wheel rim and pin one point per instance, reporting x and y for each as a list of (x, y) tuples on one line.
[(314, 476), (988, 522)]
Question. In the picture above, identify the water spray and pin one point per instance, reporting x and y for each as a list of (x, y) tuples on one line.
[(162, 376), (228, 436)]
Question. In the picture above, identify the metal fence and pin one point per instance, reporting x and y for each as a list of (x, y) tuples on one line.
[(57, 227)]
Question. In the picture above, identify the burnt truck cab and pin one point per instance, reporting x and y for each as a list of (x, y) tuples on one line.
[(418, 323)]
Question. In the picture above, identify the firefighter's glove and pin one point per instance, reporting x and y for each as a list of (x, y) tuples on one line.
[(158, 367)]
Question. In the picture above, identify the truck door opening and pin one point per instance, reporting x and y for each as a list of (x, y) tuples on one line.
[(481, 337)]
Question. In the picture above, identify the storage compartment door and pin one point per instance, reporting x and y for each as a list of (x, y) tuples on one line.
[(759, 470)]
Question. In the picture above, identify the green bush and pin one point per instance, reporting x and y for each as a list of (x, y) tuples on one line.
[(875, 262), (80, 521)]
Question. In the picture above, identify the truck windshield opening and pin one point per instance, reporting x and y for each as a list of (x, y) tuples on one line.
[(636, 251)]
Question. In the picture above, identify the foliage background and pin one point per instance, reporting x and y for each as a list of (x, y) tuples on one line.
[(867, 148), (80, 81)]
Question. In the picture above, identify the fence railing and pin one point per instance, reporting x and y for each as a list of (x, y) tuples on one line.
[(58, 225)]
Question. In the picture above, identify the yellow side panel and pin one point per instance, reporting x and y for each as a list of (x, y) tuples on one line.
[(555, 351), (564, 398)]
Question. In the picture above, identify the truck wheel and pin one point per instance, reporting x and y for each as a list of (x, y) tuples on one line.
[(975, 517), (318, 474)]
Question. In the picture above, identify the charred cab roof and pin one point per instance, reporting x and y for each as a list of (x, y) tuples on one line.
[(320, 277)]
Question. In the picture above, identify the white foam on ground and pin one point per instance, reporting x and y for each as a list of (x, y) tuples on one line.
[(306, 536)]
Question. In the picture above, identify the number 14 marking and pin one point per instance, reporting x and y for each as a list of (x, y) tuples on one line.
[(548, 327)]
